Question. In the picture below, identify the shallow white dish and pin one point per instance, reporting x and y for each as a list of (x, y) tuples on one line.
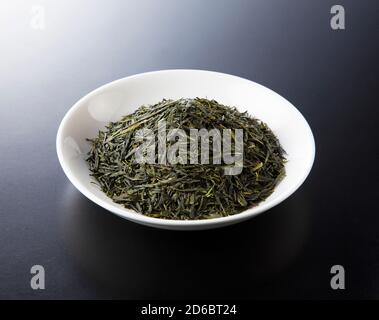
[(113, 100)]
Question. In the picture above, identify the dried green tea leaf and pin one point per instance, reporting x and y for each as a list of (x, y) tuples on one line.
[(187, 189)]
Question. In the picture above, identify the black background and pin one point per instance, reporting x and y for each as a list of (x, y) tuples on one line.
[(287, 252)]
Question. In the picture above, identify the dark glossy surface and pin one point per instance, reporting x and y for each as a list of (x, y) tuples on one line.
[(288, 46)]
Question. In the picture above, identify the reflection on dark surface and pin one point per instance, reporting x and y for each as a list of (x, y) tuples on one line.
[(124, 259)]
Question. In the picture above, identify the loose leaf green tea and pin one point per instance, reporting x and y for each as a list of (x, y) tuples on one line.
[(196, 186)]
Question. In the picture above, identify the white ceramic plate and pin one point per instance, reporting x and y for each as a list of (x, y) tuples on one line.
[(111, 101)]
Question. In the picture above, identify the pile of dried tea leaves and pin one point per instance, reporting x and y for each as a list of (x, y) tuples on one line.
[(185, 190)]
